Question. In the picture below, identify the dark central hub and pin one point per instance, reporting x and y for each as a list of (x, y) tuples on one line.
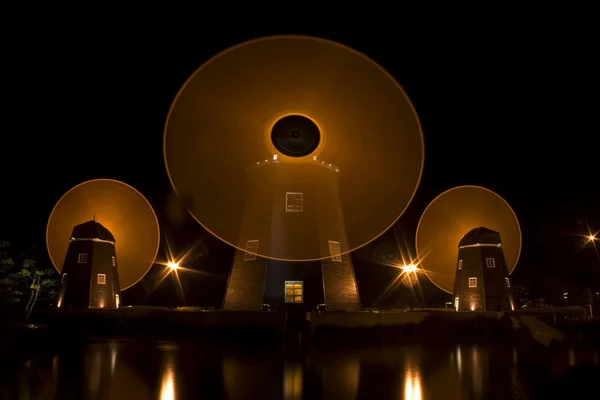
[(295, 136)]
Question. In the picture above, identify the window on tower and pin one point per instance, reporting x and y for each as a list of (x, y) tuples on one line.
[(63, 278), (507, 281), (460, 264), (251, 245), (101, 279), (294, 292), (490, 262), (114, 261), (81, 258), (334, 251), (472, 282), (294, 202)]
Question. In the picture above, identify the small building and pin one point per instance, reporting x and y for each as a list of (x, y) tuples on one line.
[(90, 276), (482, 282)]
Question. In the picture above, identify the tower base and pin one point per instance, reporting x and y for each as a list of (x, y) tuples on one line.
[(246, 286)]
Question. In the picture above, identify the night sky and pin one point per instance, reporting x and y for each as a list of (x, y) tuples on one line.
[(508, 111)]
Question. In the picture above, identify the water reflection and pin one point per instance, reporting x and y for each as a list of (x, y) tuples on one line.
[(571, 357), (133, 370), (340, 375), (292, 381), (252, 376), (412, 380), (167, 390)]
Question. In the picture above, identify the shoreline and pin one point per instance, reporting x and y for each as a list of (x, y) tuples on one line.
[(317, 329)]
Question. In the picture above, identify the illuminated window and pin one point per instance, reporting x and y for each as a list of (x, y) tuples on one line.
[(251, 245), (294, 292), (294, 202), (507, 282), (117, 300), (334, 251), (64, 278), (460, 263), (456, 303), (81, 258), (490, 262), (114, 261), (472, 282), (101, 279)]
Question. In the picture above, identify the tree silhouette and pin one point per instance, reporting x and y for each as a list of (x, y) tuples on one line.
[(29, 282)]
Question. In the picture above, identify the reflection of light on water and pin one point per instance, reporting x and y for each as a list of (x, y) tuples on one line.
[(95, 370), (351, 374), (412, 387), (412, 381), (340, 377), (571, 358), (514, 374), (292, 381), (55, 374), (167, 389), (113, 357), (55, 367), (459, 360), (476, 368)]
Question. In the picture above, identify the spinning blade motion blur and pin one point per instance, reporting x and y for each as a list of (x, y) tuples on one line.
[(293, 148), (118, 207), (453, 214)]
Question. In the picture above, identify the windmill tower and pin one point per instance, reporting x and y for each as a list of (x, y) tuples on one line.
[(90, 277), (293, 285), (482, 281)]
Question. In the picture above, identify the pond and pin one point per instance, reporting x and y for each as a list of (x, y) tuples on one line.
[(138, 370)]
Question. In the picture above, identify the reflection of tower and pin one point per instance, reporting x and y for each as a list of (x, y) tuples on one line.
[(300, 202), (89, 276), (482, 282)]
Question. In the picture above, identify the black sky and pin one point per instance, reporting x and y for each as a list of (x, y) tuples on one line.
[(507, 110)]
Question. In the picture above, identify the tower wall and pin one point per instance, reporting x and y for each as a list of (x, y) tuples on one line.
[(498, 293), (280, 272), (292, 235), (103, 295), (74, 289), (339, 284), (482, 258), (91, 281), (246, 284)]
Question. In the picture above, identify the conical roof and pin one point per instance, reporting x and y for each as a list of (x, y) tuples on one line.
[(480, 235), (92, 230)]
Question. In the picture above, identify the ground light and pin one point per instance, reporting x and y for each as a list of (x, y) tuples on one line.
[(172, 265)]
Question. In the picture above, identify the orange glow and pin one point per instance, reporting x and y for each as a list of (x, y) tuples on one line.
[(118, 207), (213, 149), (453, 214)]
